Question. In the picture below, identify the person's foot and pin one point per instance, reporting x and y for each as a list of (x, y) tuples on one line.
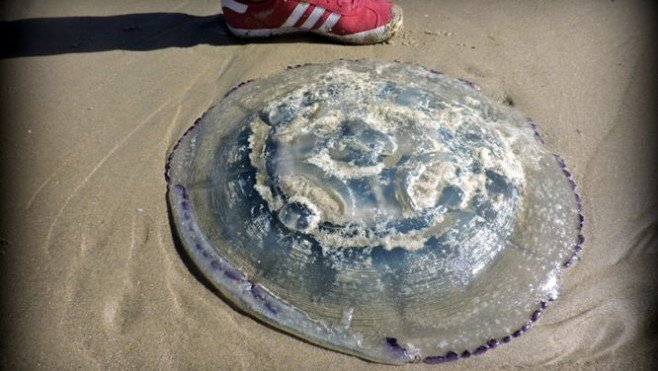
[(349, 21)]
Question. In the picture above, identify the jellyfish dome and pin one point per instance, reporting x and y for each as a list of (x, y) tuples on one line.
[(378, 209)]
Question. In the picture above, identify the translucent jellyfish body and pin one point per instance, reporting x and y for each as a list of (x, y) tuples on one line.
[(376, 208)]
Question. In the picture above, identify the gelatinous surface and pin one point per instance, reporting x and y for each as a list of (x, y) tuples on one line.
[(378, 209)]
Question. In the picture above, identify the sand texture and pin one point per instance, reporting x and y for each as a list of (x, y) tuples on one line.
[(95, 94)]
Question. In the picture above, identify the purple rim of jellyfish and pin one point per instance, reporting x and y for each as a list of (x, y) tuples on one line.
[(390, 342)]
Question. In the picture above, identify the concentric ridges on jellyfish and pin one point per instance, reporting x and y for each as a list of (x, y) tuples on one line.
[(376, 208)]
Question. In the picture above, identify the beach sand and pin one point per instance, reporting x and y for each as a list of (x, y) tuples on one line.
[(95, 94)]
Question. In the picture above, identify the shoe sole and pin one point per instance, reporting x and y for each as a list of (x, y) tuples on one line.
[(374, 36)]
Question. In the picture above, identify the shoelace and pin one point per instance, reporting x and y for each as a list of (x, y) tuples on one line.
[(350, 4)]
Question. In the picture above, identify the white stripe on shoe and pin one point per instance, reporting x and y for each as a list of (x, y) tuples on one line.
[(315, 15), (329, 22), (295, 15), (235, 6)]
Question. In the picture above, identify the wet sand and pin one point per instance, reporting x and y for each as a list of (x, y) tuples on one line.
[(94, 95)]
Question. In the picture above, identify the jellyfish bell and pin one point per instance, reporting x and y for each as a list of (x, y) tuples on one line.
[(376, 208)]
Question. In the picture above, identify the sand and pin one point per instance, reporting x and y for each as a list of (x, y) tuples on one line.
[(95, 93)]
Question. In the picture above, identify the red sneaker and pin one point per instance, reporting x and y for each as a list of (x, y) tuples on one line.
[(349, 21)]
